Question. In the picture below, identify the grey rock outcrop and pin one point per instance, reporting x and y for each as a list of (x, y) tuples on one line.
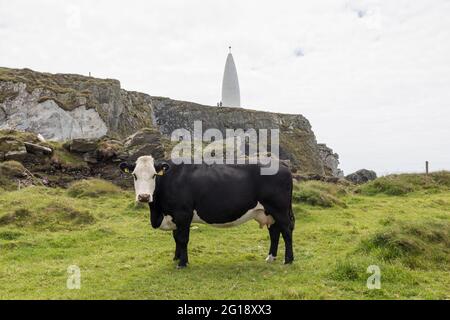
[(37, 149), (144, 142), (31, 112), (18, 153), (361, 176), (109, 149), (330, 161), (11, 149), (81, 145)]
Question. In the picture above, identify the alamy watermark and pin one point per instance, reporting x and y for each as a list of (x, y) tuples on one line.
[(374, 281), (237, 147), (74, 278)]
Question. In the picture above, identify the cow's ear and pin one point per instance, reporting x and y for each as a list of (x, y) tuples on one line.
[(161, 168), (126, 167)]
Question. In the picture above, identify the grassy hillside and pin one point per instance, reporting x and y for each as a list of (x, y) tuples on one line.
[(340, 231)]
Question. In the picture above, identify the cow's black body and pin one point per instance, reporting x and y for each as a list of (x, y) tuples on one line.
[(222, 194)]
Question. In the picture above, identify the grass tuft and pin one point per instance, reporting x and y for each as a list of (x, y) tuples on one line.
[(55, 216), (10, 235), (92, 188), (417, 245), (347, 271), (9, 171), (318, 193), (12, 169)]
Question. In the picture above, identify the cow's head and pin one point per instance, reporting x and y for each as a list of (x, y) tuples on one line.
[(144, 172)]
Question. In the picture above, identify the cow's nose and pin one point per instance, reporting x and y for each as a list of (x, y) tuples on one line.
[(144, 197)]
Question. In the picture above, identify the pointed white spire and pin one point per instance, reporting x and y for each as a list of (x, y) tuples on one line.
[(231, 95)]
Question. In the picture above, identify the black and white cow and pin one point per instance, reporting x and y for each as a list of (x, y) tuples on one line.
[(220, 195)]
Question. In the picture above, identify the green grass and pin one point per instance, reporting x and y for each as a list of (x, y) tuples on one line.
[(121, 257)]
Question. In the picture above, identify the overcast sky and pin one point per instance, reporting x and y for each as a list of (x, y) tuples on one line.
[(373, 77)]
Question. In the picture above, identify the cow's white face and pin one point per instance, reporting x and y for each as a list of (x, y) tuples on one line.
[(144, 175), (144, 172)]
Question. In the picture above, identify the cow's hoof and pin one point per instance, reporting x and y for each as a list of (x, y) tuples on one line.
[(289, 261), (270, 258), (181, 267)]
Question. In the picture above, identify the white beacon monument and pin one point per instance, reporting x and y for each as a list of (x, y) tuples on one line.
[(231, 95)]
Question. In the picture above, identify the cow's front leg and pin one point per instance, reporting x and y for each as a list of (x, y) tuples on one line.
[(181, 235), (177, 247)]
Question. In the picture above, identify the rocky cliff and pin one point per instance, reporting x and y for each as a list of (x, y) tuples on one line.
[(64, 107)]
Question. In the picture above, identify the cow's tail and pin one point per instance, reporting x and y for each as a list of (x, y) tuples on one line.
[(291, 212)]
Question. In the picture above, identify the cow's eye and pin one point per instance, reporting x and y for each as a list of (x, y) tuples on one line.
[(154, 176), (134, 176)]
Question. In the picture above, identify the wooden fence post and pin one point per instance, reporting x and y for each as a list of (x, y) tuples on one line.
[(426, 167)]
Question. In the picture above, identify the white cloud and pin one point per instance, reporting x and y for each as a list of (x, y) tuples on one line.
[(373, 77)]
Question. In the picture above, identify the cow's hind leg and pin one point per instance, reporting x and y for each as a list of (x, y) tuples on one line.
[(286, 231), (284, 224), (274, 233)]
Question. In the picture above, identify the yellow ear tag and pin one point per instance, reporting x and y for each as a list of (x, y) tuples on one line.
[(160, 173), (126, 170)]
